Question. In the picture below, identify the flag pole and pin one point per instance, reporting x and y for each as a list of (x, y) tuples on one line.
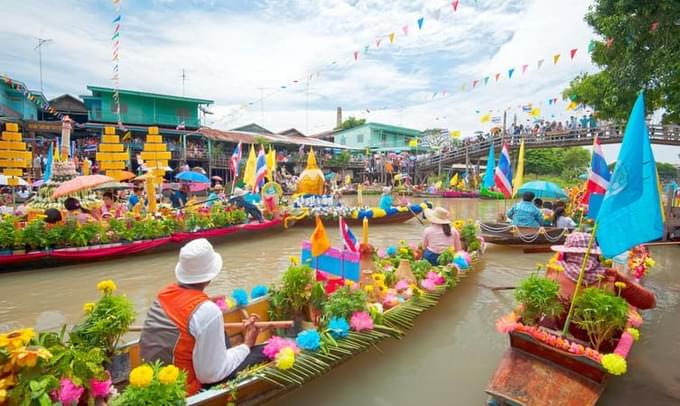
[(565, 330)]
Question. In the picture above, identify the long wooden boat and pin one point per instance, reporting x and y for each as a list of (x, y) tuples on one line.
[(428, 194), (522, 237), (490, 195), (63, 256), (265, 383), (459, 194), (533, 373), (395, 218)]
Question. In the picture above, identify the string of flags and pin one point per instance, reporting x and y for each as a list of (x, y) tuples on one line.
[(39, 101), (115, 78)]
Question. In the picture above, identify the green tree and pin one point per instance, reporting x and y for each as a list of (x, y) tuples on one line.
[(543, 161), (640, 49), (575, 161), (666, 171), (352, 122)]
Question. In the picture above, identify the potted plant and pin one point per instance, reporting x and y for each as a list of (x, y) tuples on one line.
[(344, 302), (35, 235), (539, 298), (601, 315), (105, 323), (7, 232), (154, 384), (288, 301)]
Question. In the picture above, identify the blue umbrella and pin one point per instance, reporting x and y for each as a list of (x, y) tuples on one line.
[(191, 176), (542, 189)]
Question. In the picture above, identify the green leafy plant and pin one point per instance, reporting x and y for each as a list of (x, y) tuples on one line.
[(446, 257), (539, 297), (106, 321), (343, 302), (469, 236), (601, 314), (7, 233), (420, 268), (55, 235), (35, 235), (290, 298)]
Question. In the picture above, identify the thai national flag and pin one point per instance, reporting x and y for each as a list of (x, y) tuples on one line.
[(348, 239), (598, 181), (260, 170), (236, 159), (503, 173)]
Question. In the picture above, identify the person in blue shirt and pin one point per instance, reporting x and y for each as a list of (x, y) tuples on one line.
[(214, 196), (525, 213), (178, 198), (135, 197), (251, 197), (238, 199), (386, 200)]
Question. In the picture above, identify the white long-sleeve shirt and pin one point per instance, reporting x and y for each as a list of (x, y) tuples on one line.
[(213, 362)]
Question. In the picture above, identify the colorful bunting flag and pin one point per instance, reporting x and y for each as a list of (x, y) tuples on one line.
[(454, 4), (474, 83), (510, 72), (391, 38), (405, 30), (535, 112), (455, 134), (420, 23), (591, 46), (556, 58), (571, 106), (486, 80), (365, 52), (572, 53), (498, 75), (524, 69), (485, 118), (377, 43), (610, 41), (540, 63)]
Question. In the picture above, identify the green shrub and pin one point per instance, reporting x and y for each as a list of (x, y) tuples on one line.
[(539, 297), (601, 314)]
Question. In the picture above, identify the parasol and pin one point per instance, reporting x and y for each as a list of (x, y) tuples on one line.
[(543, 189), (190, 176), (80, 183), (217, 178), (4, 180), (126, 175), (113, 186)]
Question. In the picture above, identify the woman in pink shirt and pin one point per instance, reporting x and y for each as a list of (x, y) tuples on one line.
[(439, 236)]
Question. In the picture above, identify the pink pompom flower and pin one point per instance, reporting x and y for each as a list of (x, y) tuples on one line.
[(361, 321), (100, 389), (276, 344), (68, 393), (402, 285), (436, 278), (428, 284)]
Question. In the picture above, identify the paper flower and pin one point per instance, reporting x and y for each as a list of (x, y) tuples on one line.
[(285, 359), (258, 291), (141, 376), (361, 321), (100, 389), (614, 364), (391, 250), (240, 297), (381, 253), (436, 278), (635, 333), (106, 287), (428, 284), (507, 323), (69, 393), (368, 289), (276, 344), (309, 340), (338, 327), (460, 262), (168, 374), (402, 285)]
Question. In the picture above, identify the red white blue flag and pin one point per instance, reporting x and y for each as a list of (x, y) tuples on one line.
[(503, 173), (348, 238), (598, 181), (236, 159), (260, 170)]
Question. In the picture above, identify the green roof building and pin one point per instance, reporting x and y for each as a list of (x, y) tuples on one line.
[(376, 136), (143, 108)]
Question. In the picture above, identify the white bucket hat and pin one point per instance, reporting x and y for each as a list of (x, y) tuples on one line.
[(438, 216), (198, 262)]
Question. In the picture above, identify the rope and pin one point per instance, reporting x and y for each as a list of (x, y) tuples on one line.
[(525, 238)]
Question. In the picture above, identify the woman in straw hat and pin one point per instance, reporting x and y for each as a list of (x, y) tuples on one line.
[(439, 236), (216, 195)]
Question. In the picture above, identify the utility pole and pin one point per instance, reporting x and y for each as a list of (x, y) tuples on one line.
[(184, 78), (41, 42), (307, 107)]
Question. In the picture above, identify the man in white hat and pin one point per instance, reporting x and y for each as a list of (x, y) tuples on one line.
[(185, 328), (386, 200), (238, 199)]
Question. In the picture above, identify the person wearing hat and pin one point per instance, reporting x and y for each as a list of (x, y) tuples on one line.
[(185, 328), (439, 236), (214, 196), (76, 211), (525, 213), (569, 261), (178, 197), (136, 197), (386, 200), (238, 199)]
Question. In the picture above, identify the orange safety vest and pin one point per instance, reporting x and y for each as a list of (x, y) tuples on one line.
[(179, 304)]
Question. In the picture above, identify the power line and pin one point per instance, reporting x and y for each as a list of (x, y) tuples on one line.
[(41, 42)]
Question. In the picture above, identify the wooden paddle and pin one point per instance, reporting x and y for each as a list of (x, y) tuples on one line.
[(258, 324)]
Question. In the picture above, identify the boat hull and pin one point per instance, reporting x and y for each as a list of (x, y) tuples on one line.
[(522, 237), (454, 194), (64, 256), (396, 218)]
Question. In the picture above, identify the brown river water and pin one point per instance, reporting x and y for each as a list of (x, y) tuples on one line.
[(447, 359)]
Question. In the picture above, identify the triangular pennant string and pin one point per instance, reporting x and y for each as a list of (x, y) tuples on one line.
[(572, 53), (556, 58), (420, 22), (454, 4), (510, 72), (524, 69), (540, 63), (391, 38), (356, 55), (498, 75), (405, 30)]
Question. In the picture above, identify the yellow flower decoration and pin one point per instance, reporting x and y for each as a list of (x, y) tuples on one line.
[(403, 250), (649, 262), (88, 307), (294, 260), (539, 266), (349, 283), (28, 356), (285, 359), (620, 285), (402, 242), (141, 376), (368, 288), (459, 224), (3, 396), (614, 364), (16, 339), (168, 374), (635, 333), (8, 382), (106, 287)]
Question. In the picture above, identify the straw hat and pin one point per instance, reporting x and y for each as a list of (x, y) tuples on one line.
[(438, 215), (238, 192), (577, 243), (198, 262)]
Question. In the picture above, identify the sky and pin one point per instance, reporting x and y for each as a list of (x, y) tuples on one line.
[(291, 63)]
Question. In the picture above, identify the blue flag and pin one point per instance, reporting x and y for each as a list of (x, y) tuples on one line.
[(490, 166), (48, 166), (631, 211)]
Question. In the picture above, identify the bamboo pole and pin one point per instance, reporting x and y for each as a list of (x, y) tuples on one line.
[(565, 330), (258, 324)]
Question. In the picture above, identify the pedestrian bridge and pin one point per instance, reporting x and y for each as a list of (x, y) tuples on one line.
[(479, 149)]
